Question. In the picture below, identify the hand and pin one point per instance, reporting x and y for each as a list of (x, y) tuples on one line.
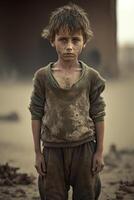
[(98, 163), (40, 164)]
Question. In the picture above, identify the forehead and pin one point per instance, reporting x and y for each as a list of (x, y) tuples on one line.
[(68, 33)]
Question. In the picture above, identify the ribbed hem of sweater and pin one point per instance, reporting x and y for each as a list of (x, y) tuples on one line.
[(69, 143)]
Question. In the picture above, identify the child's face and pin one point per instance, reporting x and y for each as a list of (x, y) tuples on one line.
[(68, 45)]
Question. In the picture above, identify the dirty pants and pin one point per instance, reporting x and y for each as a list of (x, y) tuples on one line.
[(69, 166)]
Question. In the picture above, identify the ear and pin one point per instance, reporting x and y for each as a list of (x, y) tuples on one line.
[(52, 44), (84, 45)]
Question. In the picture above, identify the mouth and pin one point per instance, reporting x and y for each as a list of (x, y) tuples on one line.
[(69, 54)]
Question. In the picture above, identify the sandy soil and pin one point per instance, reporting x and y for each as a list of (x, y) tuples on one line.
[(117, 180), (118, 175)]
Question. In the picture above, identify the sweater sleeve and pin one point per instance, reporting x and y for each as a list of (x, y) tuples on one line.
[(37, 100), (97, 104)]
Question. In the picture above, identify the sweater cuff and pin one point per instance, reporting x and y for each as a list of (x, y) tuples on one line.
[(33, 117), (98, 119)]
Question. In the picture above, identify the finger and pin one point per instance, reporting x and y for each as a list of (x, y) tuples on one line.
[(38, 168), (43, 166), (95, 171), (94, 165), (100, 167)]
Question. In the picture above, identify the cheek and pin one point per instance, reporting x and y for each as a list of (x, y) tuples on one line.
[(59, 49), (79, 45), (79, 48)]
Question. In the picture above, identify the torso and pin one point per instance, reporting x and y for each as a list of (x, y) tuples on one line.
[(66, 79)]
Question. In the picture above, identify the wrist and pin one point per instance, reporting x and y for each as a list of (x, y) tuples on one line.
[(37, 152), (99, 150)]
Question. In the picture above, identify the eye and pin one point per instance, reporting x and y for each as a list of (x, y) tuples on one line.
[(63, 39), (75, 40)]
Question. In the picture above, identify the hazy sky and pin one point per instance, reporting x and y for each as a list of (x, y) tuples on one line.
[(125, 20)]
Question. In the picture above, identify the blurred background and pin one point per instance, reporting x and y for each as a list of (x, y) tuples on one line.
[(23, 51)]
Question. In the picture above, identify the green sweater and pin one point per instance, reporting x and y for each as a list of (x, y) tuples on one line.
[(68, 115)]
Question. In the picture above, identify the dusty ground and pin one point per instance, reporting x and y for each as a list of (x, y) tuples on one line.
[(118, 176), (117, 180)]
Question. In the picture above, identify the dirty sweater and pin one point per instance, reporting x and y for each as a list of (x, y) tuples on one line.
[(68, 115)]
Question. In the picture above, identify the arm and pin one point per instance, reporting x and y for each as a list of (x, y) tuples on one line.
[(97, 113), (98, 162), (36, 126), (99, 126), (36, 108), (39, 159)]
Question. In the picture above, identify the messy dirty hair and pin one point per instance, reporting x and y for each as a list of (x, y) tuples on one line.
[(70, 17)]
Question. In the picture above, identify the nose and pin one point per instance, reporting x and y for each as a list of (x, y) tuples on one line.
[(69, 46)]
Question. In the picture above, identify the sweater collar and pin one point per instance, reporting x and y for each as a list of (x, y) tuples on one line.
[(54, 81)]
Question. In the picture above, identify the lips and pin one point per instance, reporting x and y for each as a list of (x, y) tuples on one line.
[(68, 54)]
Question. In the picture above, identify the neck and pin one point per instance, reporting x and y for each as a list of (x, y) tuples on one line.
[(67, 65)]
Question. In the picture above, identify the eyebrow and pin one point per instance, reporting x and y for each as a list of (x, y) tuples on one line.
[(66, 37), (63, 37), (76, 37)]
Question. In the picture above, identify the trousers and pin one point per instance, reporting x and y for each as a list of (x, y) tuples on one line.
[(69, 166)]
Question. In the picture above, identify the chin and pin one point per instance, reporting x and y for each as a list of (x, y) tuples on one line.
[(69, 58)]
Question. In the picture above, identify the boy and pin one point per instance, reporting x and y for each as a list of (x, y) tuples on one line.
[(68, 113)]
